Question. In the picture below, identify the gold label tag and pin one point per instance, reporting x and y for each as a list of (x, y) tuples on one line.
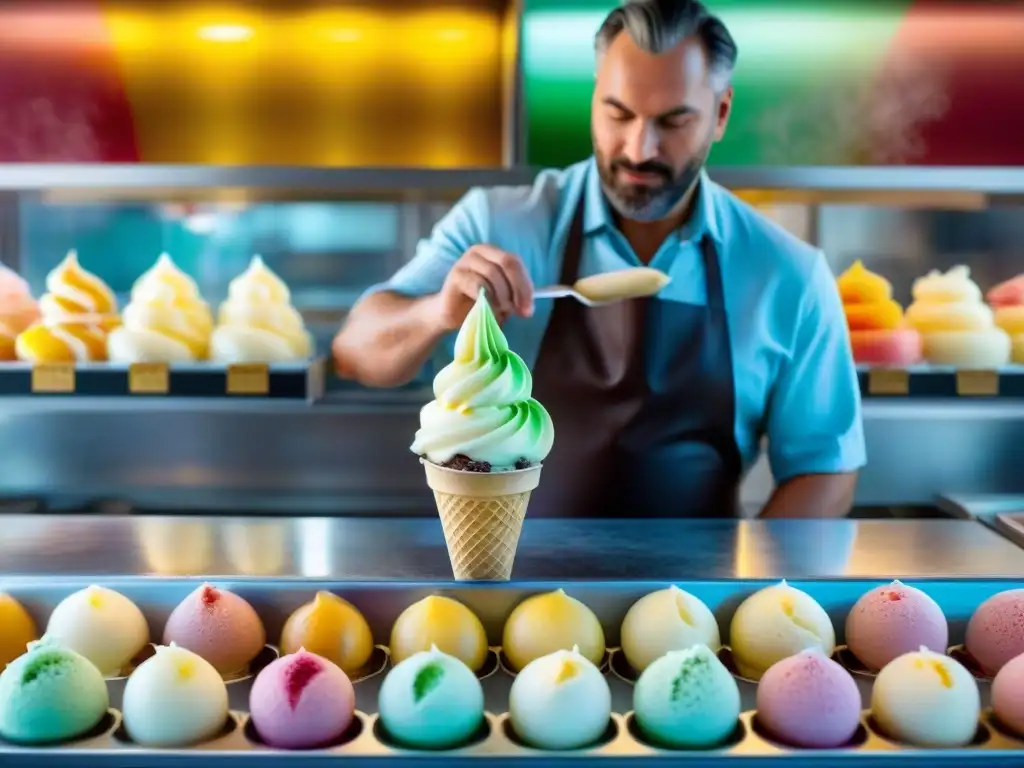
[(148, 379), (977, 383), (887, 381), (53, 378), (248, 379)]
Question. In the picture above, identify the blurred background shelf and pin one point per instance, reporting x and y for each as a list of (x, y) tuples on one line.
[(140, 181), (941, 383)]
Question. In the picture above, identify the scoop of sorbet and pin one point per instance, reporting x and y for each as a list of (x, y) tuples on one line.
[(1008, 695), (810, 701), (890, 621), (995, 633), (301, 701), (218, 625)]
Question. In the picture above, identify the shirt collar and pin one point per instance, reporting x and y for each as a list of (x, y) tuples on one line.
[(703, 220)]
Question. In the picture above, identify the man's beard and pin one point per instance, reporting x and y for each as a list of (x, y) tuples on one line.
[(643, 203)]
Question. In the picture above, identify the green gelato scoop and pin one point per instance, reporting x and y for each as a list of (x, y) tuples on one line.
[(50, 694)]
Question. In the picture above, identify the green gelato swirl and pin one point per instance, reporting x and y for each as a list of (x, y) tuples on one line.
[(482, 405)]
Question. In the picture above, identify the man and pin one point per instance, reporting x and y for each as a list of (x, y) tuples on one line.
[(659, 405)]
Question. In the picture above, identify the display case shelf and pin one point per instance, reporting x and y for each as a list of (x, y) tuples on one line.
[(941, 383), (284, 381)]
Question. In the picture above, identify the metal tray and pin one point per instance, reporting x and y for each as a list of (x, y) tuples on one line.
[(305, 380), (381, 604)]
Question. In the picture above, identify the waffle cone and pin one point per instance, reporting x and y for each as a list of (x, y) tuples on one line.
[(482, 516)]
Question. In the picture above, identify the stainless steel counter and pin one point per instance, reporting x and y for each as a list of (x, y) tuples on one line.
[(352, 456), (389, 549)]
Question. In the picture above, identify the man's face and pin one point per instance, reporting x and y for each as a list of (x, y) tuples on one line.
[(654, 118)]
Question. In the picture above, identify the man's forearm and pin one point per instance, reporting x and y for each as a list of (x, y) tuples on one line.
[(810, 496), (386, 339)]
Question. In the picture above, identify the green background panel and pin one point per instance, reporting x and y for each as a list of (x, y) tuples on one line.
[(803, 68)]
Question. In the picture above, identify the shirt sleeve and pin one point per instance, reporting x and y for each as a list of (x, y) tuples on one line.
[(463, 226), (814, 415)]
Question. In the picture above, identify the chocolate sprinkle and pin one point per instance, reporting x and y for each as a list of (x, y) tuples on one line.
[(466, 464), (463, 463)]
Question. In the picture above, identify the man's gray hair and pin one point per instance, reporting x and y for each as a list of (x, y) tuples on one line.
[(658, 25)]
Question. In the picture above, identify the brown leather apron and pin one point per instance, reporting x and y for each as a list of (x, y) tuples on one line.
[(642, 397)]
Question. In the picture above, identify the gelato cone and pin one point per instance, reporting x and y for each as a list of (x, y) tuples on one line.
[(78, 311), (166, 321), (18, 310), (482, 440), (257, 323)]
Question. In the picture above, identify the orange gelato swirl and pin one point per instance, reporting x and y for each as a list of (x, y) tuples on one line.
[(878, 334), (78, 311), (1007, 299), (18, 310)]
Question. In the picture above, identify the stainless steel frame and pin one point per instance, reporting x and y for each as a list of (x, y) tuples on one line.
[(49, 177), (320, 554)]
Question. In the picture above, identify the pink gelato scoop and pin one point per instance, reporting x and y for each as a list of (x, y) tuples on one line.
[(18, 310), (301, 701), (995, 633), (809, 701), (1008, 695), (218, 625), (1009, 293), (890, 621)]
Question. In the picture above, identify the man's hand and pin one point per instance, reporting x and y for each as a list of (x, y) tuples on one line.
[(502, 275)]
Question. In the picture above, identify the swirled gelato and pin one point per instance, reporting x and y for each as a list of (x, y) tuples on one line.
[(482, 417), (78, 311), (878, 334), (257, 323), (958, 328), (166, 320), (1007, 299), (18, 310)]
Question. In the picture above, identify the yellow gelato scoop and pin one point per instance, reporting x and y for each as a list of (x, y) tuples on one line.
[(663, 621), (257, 322), (441, 622), (330, 627), (859, 285), (622, 284), (551, 622), (775, 623), (166, 321), (17, 629)]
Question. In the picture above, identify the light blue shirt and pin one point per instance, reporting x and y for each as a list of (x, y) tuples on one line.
[(793, 370)]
